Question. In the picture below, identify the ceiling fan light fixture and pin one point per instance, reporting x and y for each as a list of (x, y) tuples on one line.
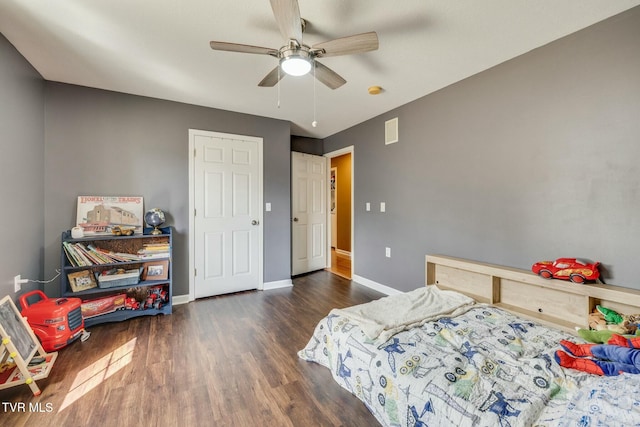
[(295, 57), (295, 65)]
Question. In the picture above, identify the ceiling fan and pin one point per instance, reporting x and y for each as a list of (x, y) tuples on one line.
[(295, 57)]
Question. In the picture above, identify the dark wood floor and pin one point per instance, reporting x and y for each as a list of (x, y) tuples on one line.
[(222, 361)]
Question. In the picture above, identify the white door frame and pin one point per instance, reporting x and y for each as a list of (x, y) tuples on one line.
[(346, 150), (192, 204), (333, 216)]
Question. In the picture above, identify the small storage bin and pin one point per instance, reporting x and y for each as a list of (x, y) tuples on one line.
[(128, 278)]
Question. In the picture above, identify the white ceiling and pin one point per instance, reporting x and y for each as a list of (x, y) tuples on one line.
[(160, 49)]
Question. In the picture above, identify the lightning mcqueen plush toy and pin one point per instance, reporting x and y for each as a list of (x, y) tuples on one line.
[(574, 269)]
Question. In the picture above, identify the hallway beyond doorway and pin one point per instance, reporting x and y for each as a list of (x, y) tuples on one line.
[(340, 264)]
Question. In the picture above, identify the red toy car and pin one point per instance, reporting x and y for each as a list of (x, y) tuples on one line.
[(56, 321), (574, 269)]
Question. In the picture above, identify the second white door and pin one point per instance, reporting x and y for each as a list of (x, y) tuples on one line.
[(309, 213)]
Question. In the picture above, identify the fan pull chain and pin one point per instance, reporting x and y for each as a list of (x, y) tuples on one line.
[(278, 86), (314, 123)]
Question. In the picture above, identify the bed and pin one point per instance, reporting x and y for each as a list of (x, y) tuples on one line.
[(474, 347)]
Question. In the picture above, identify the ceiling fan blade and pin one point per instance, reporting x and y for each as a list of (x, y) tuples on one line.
[(242, 48), (358, 43), (272, 78), (287, 13), (327, 76)]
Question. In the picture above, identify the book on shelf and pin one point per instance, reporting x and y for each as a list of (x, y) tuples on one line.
[(74, 262), (74, 256), (87, 260), (154, 250), (154, 255), (117, 256), (86, 253), (96, 254), (80, 255), (108, 257), (157, 246)]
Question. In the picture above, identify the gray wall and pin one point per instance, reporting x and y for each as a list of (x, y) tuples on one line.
[(106, 143), (534, 159), (21, 170)]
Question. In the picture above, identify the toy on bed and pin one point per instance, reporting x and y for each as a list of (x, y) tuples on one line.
[(573, 269), (603, 336), (615, 348), (605, 322), (619, 355)]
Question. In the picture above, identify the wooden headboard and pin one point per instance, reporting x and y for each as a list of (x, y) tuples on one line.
[(559, 303)]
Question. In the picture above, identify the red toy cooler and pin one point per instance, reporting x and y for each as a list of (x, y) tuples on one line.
[(56, 321)]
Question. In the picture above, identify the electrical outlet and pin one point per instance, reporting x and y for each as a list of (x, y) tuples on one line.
[(387, 252), (17, 283)]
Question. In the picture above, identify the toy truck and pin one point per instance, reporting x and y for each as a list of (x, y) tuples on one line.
[(57, 322)]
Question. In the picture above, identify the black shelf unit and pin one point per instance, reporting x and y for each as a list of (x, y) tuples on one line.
[(129, 244)]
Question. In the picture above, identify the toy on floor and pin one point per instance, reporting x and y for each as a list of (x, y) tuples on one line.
[(57, 322), (619, 355)]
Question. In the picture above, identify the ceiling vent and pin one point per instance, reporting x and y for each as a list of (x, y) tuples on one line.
[(391, 131)]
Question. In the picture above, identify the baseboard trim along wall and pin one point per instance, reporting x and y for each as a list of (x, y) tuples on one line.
[(180, 299), (287, 283), (375, 286)]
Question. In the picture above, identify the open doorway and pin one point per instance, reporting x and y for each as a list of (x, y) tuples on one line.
[(340, 230)]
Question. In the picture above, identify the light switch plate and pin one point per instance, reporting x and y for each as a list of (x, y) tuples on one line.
[(383, 207), (267, 207), (368, 206)]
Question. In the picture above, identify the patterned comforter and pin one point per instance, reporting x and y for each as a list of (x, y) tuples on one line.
[(485, 367)]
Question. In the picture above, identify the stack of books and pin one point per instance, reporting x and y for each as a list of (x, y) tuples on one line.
[(81, 255), (154, 250)]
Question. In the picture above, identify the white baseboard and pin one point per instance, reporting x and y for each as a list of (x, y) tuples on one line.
[(180, 299), (375, 286), (287, 283), (267, 286)]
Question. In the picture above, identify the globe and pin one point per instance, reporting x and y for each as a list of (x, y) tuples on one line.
[(154, 218)]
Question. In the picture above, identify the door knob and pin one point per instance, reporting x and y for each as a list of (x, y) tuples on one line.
[(295, 219), (255, 222)]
